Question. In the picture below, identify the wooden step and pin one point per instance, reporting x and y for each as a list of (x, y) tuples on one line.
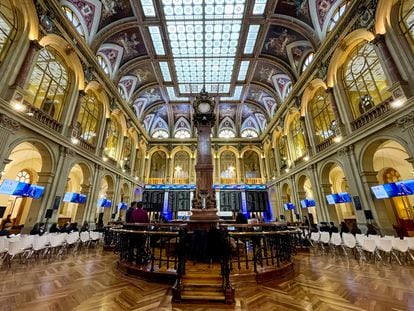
[(202, 295), (202, 288)]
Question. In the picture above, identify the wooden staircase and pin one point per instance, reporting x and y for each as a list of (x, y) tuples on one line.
[(202, 284)]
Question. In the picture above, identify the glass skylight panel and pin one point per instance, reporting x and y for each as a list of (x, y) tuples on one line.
[(165, 71), (148, 8), (204, 36), (171, 95), (251, 39), (156, 40), (244, 66), (259, 7), (237, 94)]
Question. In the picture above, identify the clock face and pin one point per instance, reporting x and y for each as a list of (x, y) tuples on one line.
[(204, 107)]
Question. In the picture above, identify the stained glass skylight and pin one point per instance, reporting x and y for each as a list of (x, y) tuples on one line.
[(259, 7), (156, 40), (237, 93), (204, 37), (251, 39), (173, 97), (148, 8)]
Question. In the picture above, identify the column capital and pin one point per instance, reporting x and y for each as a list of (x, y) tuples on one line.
[(406, 121), (378, 39), (8, 123)]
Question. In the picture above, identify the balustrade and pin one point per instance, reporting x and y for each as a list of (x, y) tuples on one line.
[(42, 117), (156, 181), (371, 115)]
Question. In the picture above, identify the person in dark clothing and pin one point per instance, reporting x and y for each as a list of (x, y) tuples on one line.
[(306, 221), (85, 226), (241, 219), (355, 230), (333, 228), (38, 228), (344, 228), (54, 228), (130, 210), (140, 215), (371, 230)]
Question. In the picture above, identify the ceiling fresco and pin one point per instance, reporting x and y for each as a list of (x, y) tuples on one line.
[(159, 58)]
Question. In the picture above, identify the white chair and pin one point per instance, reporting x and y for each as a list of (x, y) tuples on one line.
[(95, 237), (85, 238), (40, 243), (410, 242), (385, 245), (3, 248), (73, 239), (324, 239), (14, 249), (369, 246), (336, 241), (360, 238), (349, 242), (401, 247)]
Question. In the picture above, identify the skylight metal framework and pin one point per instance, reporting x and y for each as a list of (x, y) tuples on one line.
[(204, 36)]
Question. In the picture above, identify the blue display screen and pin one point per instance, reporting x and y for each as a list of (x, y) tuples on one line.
[(13, 187), (336, 198), (122, 205), (82, 198), (397, 189), (289, 206), (71, 197), (307, 203), (34, 192)]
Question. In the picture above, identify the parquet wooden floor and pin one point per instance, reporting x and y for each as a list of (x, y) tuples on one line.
[(321, 282)]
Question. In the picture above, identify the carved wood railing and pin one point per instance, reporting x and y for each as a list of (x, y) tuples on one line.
[(253, 181), (43, 117), (155, 181), (325, 144), (371, 115), (230, 181), (180, 180)]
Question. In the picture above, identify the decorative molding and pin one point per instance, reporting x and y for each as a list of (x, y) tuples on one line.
[(406, 121), (9, 123)]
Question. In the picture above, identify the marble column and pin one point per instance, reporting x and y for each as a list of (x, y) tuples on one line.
[(398, 87), (25, 68), (91, 204)]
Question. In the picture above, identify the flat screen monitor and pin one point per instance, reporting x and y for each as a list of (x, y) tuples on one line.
[(13, 187), (289, 206), (71, 197), (101, 202), (344, 197), (388, 190), (331, 198), (122, 205), (303, 204), (307, 203), (34, 192), (107, 203), (405, 187), (82, 198)]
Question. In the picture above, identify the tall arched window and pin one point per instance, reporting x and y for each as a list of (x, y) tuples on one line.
[(228, 172), (272, 162), (251, 164), (322, 116), (297, 138), (364, 79), (88, 118), (7, 27), (48, 84), (283, 154), (158, 165), (340, 10), (113, 139), (74, 20), (407, 21), (181, 167), (126, 150)]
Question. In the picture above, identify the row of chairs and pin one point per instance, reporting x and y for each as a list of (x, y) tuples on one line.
[(48, 245), (373, 245)]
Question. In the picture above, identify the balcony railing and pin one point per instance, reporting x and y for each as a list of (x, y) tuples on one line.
[(181, 180), (156, 181), (325, 144), (230, 181), (371, 115), (43, 117), (253, 181), (85, 145)]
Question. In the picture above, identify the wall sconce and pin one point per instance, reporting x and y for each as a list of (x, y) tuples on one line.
[(306, 158), (104, 159), (337, 139)]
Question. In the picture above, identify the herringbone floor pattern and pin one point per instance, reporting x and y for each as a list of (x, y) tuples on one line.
[(321, 282)]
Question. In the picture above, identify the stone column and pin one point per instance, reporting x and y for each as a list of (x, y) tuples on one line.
[(190, 170), (168, 178), (37, 209), (217, 168), (25, 68), (80, 215), (102, 141), (108, 211), (74, 128), (294, 197), (8, 127), (91, 204), (398, 87), (146, 169), (321, 206), (377, 207), (263, 171), (331, 209), (338, 118), (406, 124), (240, 173), (305, 136)]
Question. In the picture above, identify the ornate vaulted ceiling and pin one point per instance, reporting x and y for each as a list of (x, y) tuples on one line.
[(248, 54)]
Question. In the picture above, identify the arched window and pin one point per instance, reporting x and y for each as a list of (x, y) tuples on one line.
[(182, 133), (251, 164), (88, 118), (282, 148), (113, 139), (104, 65), (228, 171), (48, 84), (160, 134), (7, 27), (74, 20), (158, 164), (308, 60), (249, 133), (322, 116), (126, 151), (226, 133), (181, 166), (297, 138), (364, 79), (407, 21), (24, 176), (272, 162), (340, 10)]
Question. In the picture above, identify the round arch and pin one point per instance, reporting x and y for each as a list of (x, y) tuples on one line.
[(308, 94), (98, 90), (383, 15), (30, 17), (119, 116), (340, 54), (68, 54)]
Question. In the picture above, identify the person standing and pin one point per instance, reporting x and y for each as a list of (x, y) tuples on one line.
[(128, 215), (139, 215)]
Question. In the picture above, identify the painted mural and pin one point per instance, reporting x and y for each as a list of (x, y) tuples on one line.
[(113, 10), (295, 8), (264, 73)]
